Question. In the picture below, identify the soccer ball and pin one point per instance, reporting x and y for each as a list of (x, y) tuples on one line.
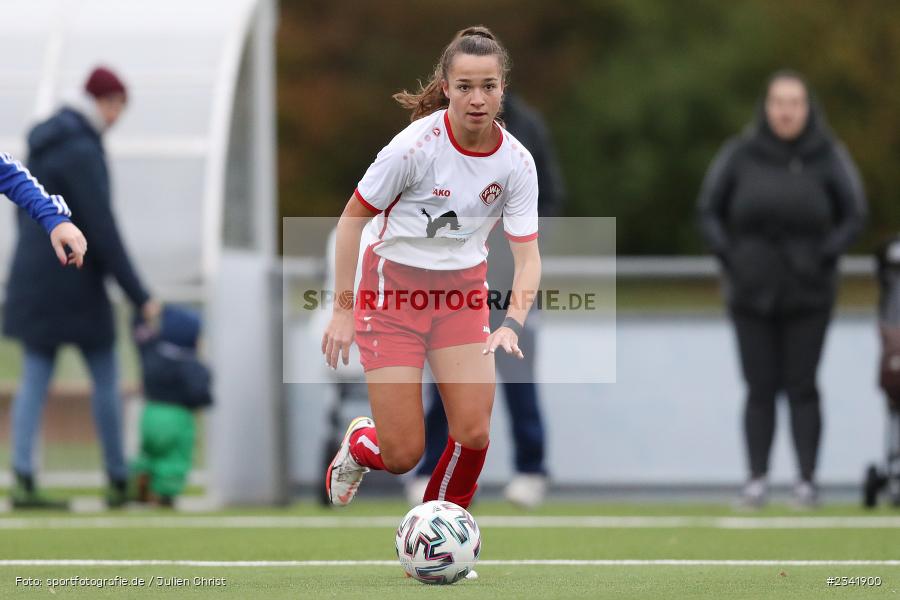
[(438, 542)]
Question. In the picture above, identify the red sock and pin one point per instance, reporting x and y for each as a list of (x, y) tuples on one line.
[(455, 478), (364, 448)]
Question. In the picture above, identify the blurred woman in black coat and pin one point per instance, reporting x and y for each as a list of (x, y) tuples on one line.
[(779, 205), (47, 307)]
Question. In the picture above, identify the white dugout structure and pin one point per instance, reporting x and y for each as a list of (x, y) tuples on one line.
[(194, 184)]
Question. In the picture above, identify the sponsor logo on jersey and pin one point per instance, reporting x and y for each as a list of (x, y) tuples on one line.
[(491, 193), (441, 193), (446, 219), (436, 132)]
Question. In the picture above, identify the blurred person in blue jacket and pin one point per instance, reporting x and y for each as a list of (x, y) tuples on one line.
[(176, 384), (62, 306)]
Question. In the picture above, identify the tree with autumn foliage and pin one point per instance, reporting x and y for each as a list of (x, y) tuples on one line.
[(638, 94)]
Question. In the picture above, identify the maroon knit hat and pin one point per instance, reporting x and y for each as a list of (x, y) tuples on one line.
[(104, 82)]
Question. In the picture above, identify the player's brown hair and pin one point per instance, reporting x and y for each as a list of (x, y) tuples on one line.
[(478, 41)]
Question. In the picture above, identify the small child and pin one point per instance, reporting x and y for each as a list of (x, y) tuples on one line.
[(176, 383)]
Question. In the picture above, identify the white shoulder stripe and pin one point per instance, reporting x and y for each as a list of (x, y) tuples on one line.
[(61, 207), (22, 169)]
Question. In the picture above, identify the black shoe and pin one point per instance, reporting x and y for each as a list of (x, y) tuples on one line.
[(117, 494), (24, 494)]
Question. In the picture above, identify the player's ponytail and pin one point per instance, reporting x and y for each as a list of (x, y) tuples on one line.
[(477, 41)]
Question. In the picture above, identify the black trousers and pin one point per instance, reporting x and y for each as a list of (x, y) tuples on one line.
[(781, 353)]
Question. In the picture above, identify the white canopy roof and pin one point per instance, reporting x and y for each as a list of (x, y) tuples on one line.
[(182, 62)]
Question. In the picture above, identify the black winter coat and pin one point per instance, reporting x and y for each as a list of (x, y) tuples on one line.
[(527, 125), (778, 215), (46, 304)]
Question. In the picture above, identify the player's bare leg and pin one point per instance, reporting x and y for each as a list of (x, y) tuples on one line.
[(395, 394)]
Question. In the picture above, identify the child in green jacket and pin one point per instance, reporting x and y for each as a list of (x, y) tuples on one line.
[(176, 384)]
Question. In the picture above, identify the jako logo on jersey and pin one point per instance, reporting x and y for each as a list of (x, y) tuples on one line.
[(441, 193), (491, 193)]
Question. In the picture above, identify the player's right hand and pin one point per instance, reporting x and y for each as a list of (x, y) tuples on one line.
[(66, 234), (338, 337)]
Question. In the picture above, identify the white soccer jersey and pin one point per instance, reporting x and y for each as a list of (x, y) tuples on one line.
[(437, 202)]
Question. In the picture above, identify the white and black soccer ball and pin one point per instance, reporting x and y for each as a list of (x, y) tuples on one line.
[(438, 542)]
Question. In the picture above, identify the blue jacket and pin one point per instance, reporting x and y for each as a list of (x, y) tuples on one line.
[(46, 305), (172, 372), (19, 186), (174, 375)]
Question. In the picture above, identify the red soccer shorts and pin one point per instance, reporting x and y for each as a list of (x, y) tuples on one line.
[(402, 312)]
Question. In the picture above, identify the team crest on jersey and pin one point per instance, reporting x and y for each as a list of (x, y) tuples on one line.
[(436, 132), (491, 193)]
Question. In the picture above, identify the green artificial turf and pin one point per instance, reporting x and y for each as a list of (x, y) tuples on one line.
[(132, 535)]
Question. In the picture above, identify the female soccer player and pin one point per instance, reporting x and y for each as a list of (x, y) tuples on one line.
[(437, 189), (51, 212)]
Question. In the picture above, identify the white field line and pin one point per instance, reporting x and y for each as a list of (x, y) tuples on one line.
[(486, 563), (527, 522)]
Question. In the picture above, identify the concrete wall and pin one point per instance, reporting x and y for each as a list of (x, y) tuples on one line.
[(673, 416)]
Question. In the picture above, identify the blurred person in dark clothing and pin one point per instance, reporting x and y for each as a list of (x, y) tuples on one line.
[(63, 306), (529, 485), (778, 207)]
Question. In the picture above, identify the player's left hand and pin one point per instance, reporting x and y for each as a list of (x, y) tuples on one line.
[(505, 338), (66, 234)]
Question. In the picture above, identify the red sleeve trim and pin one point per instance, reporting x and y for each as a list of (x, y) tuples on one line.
[(364, 203), (521, 238), (387, 213)]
